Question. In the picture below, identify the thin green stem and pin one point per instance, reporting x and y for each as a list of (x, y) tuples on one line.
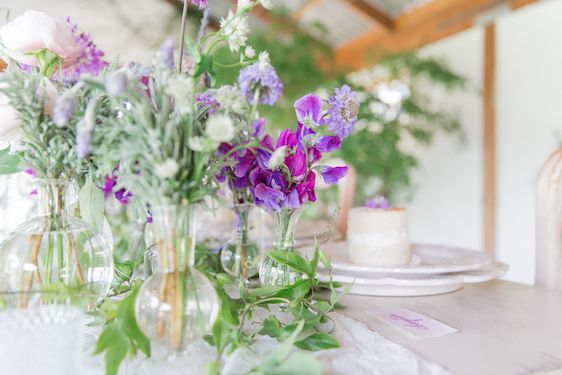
[(182, 34)]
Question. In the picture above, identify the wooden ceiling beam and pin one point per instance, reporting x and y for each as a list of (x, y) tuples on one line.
[(371, 13), (429, 23)]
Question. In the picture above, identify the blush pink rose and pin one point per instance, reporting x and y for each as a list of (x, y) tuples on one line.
[(34, 31)]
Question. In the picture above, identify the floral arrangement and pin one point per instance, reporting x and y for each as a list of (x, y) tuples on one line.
[(164, 137)]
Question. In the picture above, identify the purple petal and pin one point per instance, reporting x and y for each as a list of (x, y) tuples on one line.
[(287, 138), (332, 175), (309, 110), (258, 127), (328, 143), (271, 198), (378, 202)]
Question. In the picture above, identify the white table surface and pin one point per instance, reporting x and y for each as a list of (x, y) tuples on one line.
[(505, 328)]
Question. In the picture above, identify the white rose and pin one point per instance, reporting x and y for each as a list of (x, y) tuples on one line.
[(220, 128), (34, 31), (167, 169), (277, 158)]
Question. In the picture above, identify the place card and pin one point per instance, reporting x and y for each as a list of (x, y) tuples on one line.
[(415, 324)]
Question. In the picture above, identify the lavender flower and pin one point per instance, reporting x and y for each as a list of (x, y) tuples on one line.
[(342, 111), (84, 137), (265, 83), (65, 106), (116, 83), (377, 202), (166, 54), (258, 127), (207, 100)]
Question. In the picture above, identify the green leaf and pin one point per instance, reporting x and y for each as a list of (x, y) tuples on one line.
[(271, 327), (299, 289), (265, 291), (298, 363), (9, 163), (293, 260), (92, 204), (318, 341), (325, 260), (205, 64), (315, 259)]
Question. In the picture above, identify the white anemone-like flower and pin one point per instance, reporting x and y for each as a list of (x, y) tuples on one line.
[(249, 52), (236, 29), (220, 128), (168, 168), (196, 143), (180, 89), (264, 61), (231, 99), (277, 158)]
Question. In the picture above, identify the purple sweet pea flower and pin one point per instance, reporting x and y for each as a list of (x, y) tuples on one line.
[(306, 189), (309, 110), (296, 164), (377, 202), (328, 143), (270, 199), (287, 138), (332, 175)]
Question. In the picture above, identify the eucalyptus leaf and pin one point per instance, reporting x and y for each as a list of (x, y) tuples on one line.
[(92, 202)]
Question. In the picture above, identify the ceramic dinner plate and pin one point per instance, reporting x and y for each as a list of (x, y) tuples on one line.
[(416, 285), (426, 260)]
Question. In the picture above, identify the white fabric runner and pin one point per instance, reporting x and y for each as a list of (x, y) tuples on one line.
[(46, 340)]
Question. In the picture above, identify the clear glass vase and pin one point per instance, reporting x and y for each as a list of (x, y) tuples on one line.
[(177, 304), (240, 257), (55, 252), (271, 272)]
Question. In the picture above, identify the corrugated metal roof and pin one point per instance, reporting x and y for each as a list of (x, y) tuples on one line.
[(334, 22), (393, 8)]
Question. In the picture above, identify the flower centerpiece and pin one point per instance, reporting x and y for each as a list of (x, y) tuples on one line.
[(162, 127), (42, 108), (284, 177), (259, 84)]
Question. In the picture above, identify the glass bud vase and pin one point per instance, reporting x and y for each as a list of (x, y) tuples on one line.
[(271, 272), (240, 257), (55, 252), (176, 304)]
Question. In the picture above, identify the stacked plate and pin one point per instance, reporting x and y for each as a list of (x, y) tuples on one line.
[(434, 269)]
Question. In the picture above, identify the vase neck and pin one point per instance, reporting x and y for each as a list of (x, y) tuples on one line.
[(56, 197), (242, 221), (174, 231), (284, 222)]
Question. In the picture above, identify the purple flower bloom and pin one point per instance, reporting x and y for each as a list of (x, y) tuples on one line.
[(90, 61), (166, 54), (201, 4), (309, 110), (332, 175), (328, 143), (207, 99), (269, 198), (31, 172), (252, 79), (258, 127), (65, 106), (377, 202), (342, 111), (306, 189), (122, 195)]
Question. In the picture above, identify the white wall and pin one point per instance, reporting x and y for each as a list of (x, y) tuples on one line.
[(448, 205)]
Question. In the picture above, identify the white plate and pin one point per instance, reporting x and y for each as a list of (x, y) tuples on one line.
[(426, 259), (417, 285)]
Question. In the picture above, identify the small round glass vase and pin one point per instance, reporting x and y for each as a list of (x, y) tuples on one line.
[(240, 256), (55, 252), (177, 304), (271, 272)]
